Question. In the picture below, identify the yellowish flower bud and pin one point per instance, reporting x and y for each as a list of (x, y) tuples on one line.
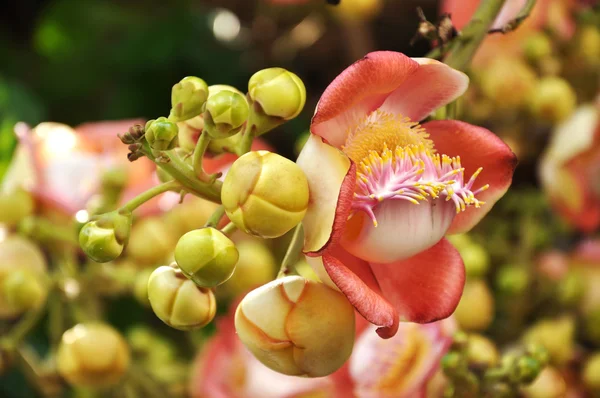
[(537, 46), (188, 98), (553, 100), (588, 44), (265, 194), (24, 290), (186, 217), (475, 310), (481, 352), (15, 206), (206, 256), (225, 115), (357, 10), (92, 355), (178, 301), (151, 241), (508, 82), (476, 259), (279, 92), (556, 336), (591, 373), (103, 239), (549, 384), (18, 254), (161, 134), (297, 327), (255, 267), (140, 287)]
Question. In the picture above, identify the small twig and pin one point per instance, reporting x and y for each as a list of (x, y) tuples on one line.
[(214, 219), (149, 194), (229, 229), (517, 21), (292, 252)]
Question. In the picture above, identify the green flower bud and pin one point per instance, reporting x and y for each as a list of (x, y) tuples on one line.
[(188, 98), (553, 100), (15, 206), (92, 355), (226, 112), (114, 178), (512, 280), (103, 239), (537, 46), (152, 241), (591, 373), (525, 370), (539, 353), (482, 352), (206, 256), (24, 290), (571, 289), (140, 287), (178, 301), (476, 259), (265, 194), (161, 134), (279, 92), (453, 363)]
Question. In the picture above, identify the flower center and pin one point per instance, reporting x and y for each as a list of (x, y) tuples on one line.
[(381, 128)]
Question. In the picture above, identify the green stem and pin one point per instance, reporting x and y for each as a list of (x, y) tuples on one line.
[(292, 252), (149, 194), (229, 228), (214, 219), (44, 230), (16, 336), (471, 37), (245, 144), (201, 146)]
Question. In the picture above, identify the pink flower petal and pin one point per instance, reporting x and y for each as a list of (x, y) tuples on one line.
[(357, 91), (477, 147), (426, 287), (433, 85), (331, 180), (404, 229), (355, 279)]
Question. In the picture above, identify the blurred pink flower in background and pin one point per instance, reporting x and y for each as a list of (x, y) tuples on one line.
[(383, 193), (569, 169)]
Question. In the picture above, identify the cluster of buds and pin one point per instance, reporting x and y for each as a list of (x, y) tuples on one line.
[(104, 238)]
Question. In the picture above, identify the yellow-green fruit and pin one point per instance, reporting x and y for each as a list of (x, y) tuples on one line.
[(508, 82), (188, 98), (279, 92), (15, 206), (92, 355), (297, 327), (481, 351), (161, 134), (265, 194), (206, 256), (24, 290), (151, 241), (553, 100), (17, 253), (140, 287), (475, 310), (226, 112), (555, 335), (178, 301), (256, 267), (591, 373), (99, 243)]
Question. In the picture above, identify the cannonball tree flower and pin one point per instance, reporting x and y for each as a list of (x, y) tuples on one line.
[(570, 166), (385, 190)]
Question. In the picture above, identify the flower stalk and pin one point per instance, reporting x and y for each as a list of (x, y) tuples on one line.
[(292, 252), (149, 194)]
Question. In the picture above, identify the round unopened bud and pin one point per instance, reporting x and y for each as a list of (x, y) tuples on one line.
[(103, 239), (297, 327), (265, 194), (92, 355), (553, 100), (24, 290), (255, 267), (537, 46), (508, 82), (512, 280), (555, 335), (206, 256), (15, 206), (279, 92), (475, 310), (161, 134), (587, 45), (549, 384), (225, 115), (525, 370), (482, 352), (188, 98), (178, 301), (539, 353), (476, 259), (18, 254), (151, 241), (591, 373)]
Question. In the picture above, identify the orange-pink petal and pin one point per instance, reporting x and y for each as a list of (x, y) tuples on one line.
[(477, 147), (426, 287), (331, 181)]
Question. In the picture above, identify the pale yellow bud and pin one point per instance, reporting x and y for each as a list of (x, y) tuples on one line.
[(178, 301), (475, 310), (279, 92), (15, 206), (297, 327), (187, 98), (225, 115), (92, 355), (553, 100), (481, 352), (555, 335), (151, 241), (508, 82), (357, 10), (549, 384), (265, 194)]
